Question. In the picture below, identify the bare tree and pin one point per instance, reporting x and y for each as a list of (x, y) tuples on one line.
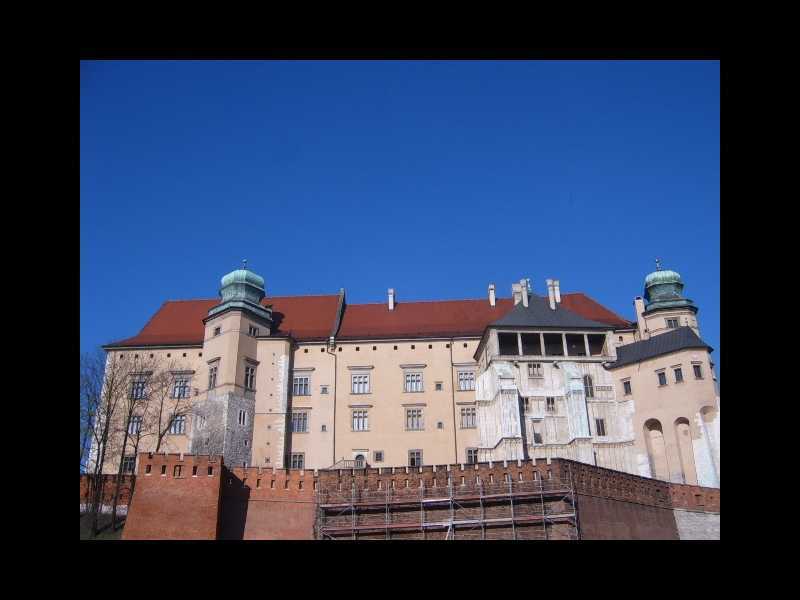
[(167, 402), (104, 386)]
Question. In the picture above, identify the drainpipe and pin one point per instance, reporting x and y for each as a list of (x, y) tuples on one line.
[(331, 351), (453, 394)]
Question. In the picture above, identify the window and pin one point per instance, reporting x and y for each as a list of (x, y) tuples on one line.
[(537, 435), (550, 404), (414, 420), (250, 378), (672, 323), (128, 464), (662, 378), (135, 425), (299, 422), (466, 381), (378, 455), (298, 460), (177, 470), (323, 389), (413, 382), (138, 389), (576, 344), (217, 331), (438, 386), (626, 386), (178, 425), (468, 418), (242, 418), (508, 344), (324, 428), (181, 388), (597, 342), (527, 403), (678, 375), (600, 427), (415, 458), (698, 371), (253, 331), (300, 386), (534, 369), (200, 422), (553, 344), (588, 386), (360, 384), (472, 456), (212, 377), (360, 420), (531, 344)]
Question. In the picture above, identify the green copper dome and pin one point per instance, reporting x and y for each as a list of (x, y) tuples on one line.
[(664, 289), (242, 289), (243, 276)]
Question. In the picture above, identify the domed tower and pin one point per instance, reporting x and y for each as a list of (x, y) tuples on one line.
[(664, 307), (243, 289)]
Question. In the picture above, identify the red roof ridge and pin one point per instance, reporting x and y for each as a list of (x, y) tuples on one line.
[(425, 301), (598, 303)]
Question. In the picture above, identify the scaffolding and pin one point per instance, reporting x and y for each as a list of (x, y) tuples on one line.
[(540, 509)]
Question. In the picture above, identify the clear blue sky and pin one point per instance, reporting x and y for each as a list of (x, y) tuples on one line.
[(435, 178)]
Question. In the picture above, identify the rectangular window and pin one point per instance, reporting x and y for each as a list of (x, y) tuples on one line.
[(298, 460), (576, 344), (300, 422), (553, 344), (300, 386), (415, 458), (414, 420), (672, 323), (360, 384), (466, 381), (323, 389), (600, 427), (128, 465), (678, 375), (537, 434), (178, 425), (527, 403), (181, 388), (360, 420), (242, 419), (217, 331), (138, 389), (597, 342), (250, 378), (698, 371), (531, 344), (472, 456), (626, 386), (212, 377), (413, 382), (550, 404), (534, 370), (253, 331), (508, 344), (662, 378), (468, 418), (135, 425), (378, 454)]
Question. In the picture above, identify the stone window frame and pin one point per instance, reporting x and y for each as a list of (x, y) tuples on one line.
[(359, 416), (177, 425), (473, 459), (377, 456), (469, 417), (297, 460), (414, 415), (300, 417), (675, 320), (662, 373), (627, 390), (415, 458), (465, 377)]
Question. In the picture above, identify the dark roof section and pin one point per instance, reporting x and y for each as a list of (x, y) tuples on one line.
[(539, 314), (658, 345)]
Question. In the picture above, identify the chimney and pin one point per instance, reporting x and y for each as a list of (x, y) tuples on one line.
[(492, 299), (516, 291), (551, 295), (391, 299), (638, 304), (523, 286), (557, 290)]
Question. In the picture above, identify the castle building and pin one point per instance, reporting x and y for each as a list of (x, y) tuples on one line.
[(312, 382)]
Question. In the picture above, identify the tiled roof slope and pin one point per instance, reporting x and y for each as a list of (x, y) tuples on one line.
[(658, 345), (310, 318), (179, 322), (539, 314)]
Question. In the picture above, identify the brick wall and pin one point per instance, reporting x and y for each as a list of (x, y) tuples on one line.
[(108, 482), (177, 497)]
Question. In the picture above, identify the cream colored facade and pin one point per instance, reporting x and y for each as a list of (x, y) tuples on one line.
[(314, 404)]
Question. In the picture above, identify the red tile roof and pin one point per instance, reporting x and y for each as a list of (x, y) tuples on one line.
[(310, 318), (180, 322)]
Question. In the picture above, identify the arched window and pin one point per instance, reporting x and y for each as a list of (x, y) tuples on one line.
[(588, 386), (359, 461)]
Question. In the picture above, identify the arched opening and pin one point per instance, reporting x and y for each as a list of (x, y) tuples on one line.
[(656, 449), (359, 461), (683, 438), (588, 386)]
